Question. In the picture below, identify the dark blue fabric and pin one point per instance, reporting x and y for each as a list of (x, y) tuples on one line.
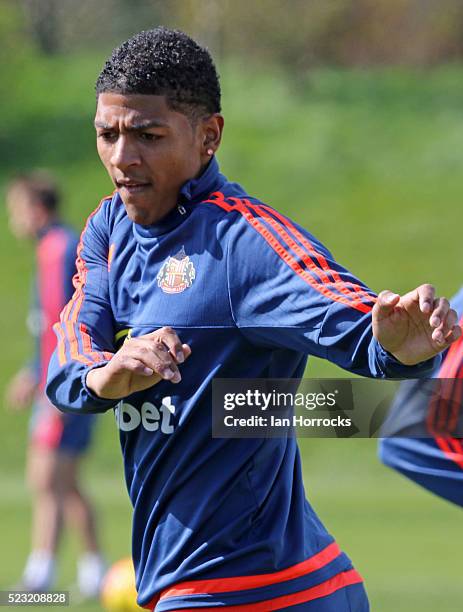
[(350, 599), (77, 433), (422, 460), (249, 596), (204, 507)]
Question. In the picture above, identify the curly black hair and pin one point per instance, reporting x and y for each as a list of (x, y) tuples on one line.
[(167, 63)]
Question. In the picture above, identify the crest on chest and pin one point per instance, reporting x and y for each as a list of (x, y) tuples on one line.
[(177, 273)]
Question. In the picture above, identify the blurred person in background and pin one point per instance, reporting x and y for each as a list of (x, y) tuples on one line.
[(434, 462), (57, 441)]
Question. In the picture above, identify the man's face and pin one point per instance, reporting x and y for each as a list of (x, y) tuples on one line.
[(22, 212), (148, 150)]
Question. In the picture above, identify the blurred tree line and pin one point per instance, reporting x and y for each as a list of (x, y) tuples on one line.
[(294, 33)]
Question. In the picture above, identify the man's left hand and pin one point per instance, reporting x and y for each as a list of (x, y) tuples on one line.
[(416, 326)]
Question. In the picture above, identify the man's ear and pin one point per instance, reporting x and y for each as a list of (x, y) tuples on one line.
[(212, 128)]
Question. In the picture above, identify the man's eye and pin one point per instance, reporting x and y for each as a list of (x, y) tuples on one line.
[(148, 136), (108, 136)]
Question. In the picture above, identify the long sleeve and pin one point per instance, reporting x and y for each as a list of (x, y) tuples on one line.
[(287, 291), (85, 332)]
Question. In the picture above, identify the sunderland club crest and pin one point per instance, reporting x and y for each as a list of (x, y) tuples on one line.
[(177, 273)]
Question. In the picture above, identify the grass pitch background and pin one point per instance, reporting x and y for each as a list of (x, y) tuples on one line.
[(371, 163)]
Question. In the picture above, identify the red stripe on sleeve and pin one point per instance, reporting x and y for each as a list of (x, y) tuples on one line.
[(79, 278), (70, 314), (88, 346), (61, 344), (241, 206), (320, 258), (451, 368), (70, 332), (446, 445), (451, 372)]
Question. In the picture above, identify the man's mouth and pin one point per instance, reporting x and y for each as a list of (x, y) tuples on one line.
[(132, 186)]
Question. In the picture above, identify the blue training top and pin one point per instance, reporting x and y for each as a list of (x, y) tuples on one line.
[(253, 294)]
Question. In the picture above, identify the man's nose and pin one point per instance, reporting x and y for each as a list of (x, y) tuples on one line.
[(125, 153)]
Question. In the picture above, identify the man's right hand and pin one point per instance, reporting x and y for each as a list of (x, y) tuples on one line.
[(139, 364)]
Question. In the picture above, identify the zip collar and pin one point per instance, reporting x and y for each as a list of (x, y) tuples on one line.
[(197, 189), (192, 192)]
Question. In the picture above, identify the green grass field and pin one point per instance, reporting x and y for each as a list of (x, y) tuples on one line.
[(371, 163)]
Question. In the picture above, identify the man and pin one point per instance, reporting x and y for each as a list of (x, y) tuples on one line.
[(435, 462), (57, 442), (213, 283)]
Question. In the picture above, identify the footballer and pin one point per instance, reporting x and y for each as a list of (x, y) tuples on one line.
[(204, 280)]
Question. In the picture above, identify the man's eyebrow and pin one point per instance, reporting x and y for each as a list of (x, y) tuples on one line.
[(143, 125)]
